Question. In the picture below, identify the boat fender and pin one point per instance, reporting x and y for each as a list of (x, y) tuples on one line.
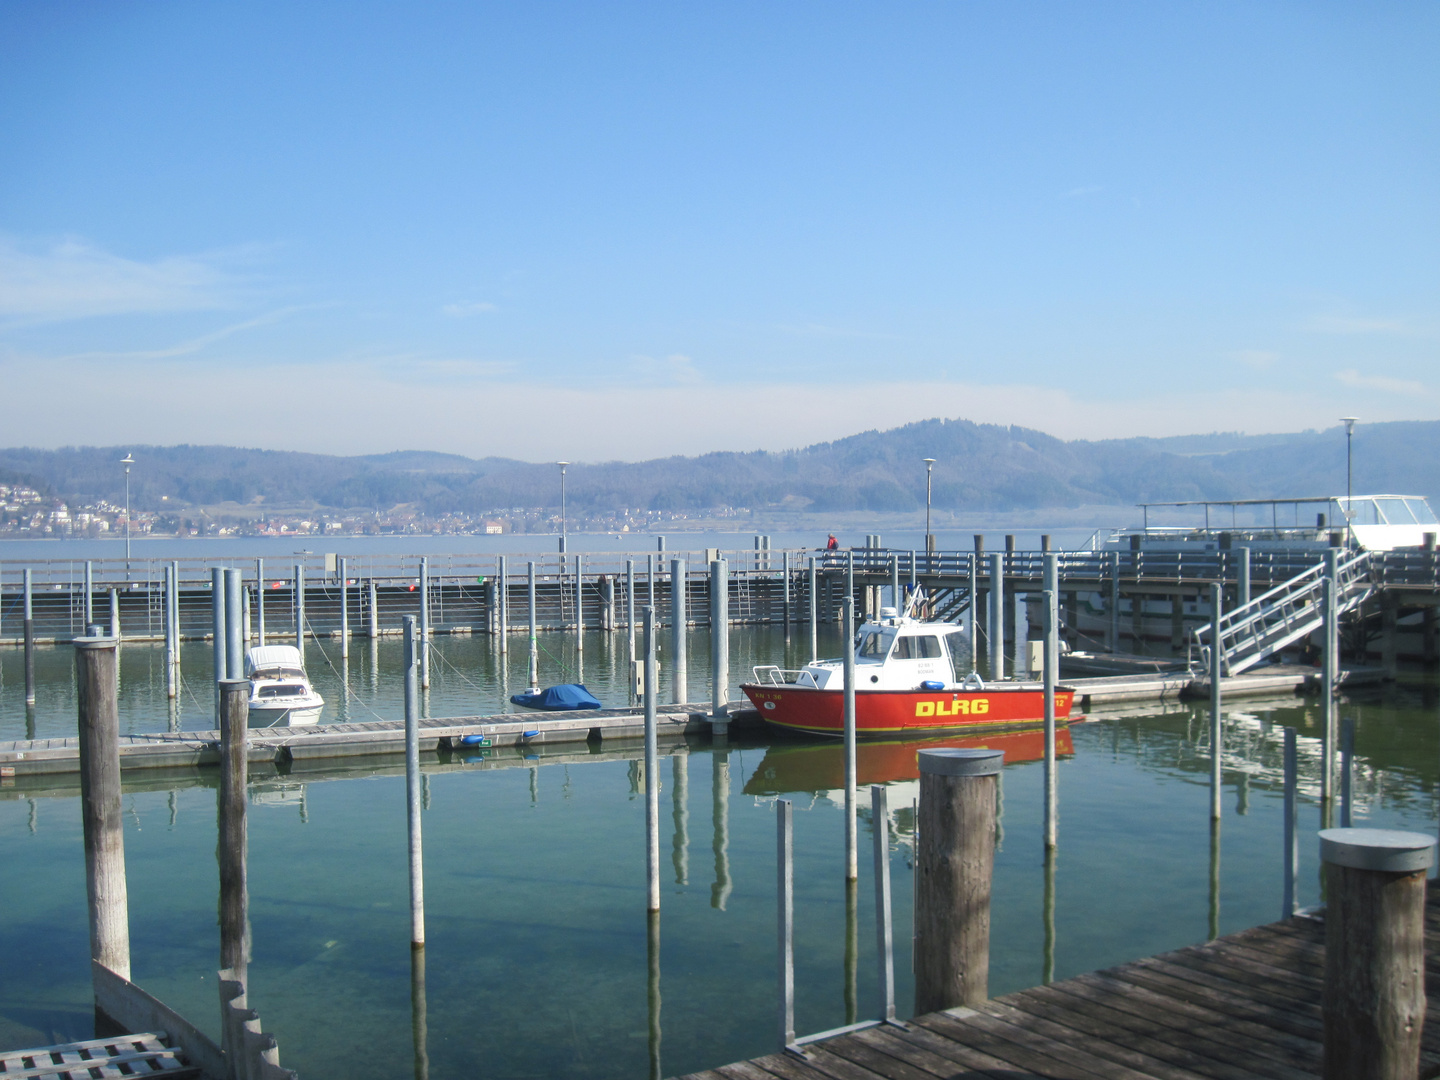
[(474, 740), (932, 684), (528, 734), (973, 681)]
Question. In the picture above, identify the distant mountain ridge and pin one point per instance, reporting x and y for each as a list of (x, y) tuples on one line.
[(978, 467)]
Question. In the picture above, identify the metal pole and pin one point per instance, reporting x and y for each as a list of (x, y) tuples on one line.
[(1329, 671), (1049, 671), (300, 609), (997, 615), (895, 601), (413, 642), (785, 896), (259, 601), (372, 612), (1347, 769), (114, 598), (89, 604), (679, 690), (219, 653), (811, 588), (579, 603), (534, 642), (852, 871), (884, 932), (344, 608), (234, 628), (785, 590), (29, 641), (650, 581), (97, 676), (652, 769), (1291, 849), (1114, 560), (502, 602), (234, 768), (424, 623), (630, 607), (1217, 669), (719, 646), (1242, 577), (172, 676)]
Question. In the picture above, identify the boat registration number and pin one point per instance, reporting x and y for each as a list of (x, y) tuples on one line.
[(958, 707)]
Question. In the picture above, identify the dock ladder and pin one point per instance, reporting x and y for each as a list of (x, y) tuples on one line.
[(1290, 611)]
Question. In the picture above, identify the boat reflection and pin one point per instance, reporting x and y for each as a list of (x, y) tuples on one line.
[(820, 766)]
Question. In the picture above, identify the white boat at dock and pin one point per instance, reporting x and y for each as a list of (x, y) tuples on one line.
[(280, 691)]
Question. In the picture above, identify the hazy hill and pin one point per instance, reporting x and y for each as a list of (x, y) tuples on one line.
[(979, 467)]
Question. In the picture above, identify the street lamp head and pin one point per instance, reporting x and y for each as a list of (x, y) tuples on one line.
[(1349, 422), (127, 461), (929, 461)]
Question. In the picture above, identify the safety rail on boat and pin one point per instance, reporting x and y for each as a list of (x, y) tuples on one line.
[(773, 675)]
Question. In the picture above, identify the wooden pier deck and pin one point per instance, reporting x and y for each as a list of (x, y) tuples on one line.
[(1241, 1007)]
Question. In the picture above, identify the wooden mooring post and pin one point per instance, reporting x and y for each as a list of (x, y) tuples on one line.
[(234, 839), (97, 678), (1374, 997), (954, 865)]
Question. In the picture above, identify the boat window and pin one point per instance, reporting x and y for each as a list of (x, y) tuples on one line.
[(281, 691), (927, 648), (1396, 512), (1362, 512), (874, 645), (1421, 509)]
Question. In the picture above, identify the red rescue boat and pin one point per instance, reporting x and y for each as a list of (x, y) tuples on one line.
[(906, 683)]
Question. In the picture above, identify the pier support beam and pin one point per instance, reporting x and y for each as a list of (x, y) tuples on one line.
[(234, 843), (954, 866), (997, 615), (1114, 565), (852, 870), (1329, 669), (502, 603), (300, 610), (341, 565), (652, 771), (813, 601), (424, 628), (29, 641), (413, 643), (1374, 997), (97, 679), (259, 601), (719, 648), (372, 610), (534, 641), (219, 626), (234, 626)]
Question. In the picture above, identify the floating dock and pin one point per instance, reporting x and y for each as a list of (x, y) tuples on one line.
[(1240, 1007)]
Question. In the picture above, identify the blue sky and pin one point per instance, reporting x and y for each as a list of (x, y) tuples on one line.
[(600, 231)]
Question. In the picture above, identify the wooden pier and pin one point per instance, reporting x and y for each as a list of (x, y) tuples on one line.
[(1240, 1007)]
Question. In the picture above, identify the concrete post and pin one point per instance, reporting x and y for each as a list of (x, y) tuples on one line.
[(579, 603), (88, 604), (372, 610), (630, 608), (997, 615), (300, 609), (172, 631), (1374, 997), (114, 598), (413, 644), (234, 627), (679, 689), (29, 641), (1242, 577), (719, 647), (97, 678), (652, 770), (954, 865)]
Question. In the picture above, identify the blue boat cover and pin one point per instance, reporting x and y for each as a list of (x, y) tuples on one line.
[(560, 698)]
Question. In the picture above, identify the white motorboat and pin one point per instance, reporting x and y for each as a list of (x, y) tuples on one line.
[(280, 691)]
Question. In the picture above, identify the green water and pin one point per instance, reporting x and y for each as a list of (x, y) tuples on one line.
[(536, 961)]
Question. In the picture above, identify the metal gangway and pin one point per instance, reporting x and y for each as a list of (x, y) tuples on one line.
[(1292, 610)]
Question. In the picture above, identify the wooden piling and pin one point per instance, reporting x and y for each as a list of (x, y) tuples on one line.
[(97, 678), (1374, 996), (954, 865), (234, 843)]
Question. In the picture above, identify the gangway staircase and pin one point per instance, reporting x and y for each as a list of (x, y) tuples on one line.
[(1287, 613), (950, 604)]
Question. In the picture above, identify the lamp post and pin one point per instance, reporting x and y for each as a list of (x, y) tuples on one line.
[(929, 468), (563, 465), (1349, 422), (127, 461)]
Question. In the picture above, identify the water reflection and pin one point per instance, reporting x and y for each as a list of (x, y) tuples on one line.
[(680, 816), (720, 815)]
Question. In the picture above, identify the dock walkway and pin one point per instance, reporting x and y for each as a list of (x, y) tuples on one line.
[(1240, 1007)]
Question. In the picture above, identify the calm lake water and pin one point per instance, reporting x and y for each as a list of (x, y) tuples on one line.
[(535, 892)]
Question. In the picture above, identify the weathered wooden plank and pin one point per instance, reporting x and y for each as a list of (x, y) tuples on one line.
[(788, 1067), (886, 1065), (1049, 1057), (920, 1045), (1091, 1027), (820, 1059)]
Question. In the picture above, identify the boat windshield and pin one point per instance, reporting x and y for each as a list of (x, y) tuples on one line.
[(282, 690), (874, 644)]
